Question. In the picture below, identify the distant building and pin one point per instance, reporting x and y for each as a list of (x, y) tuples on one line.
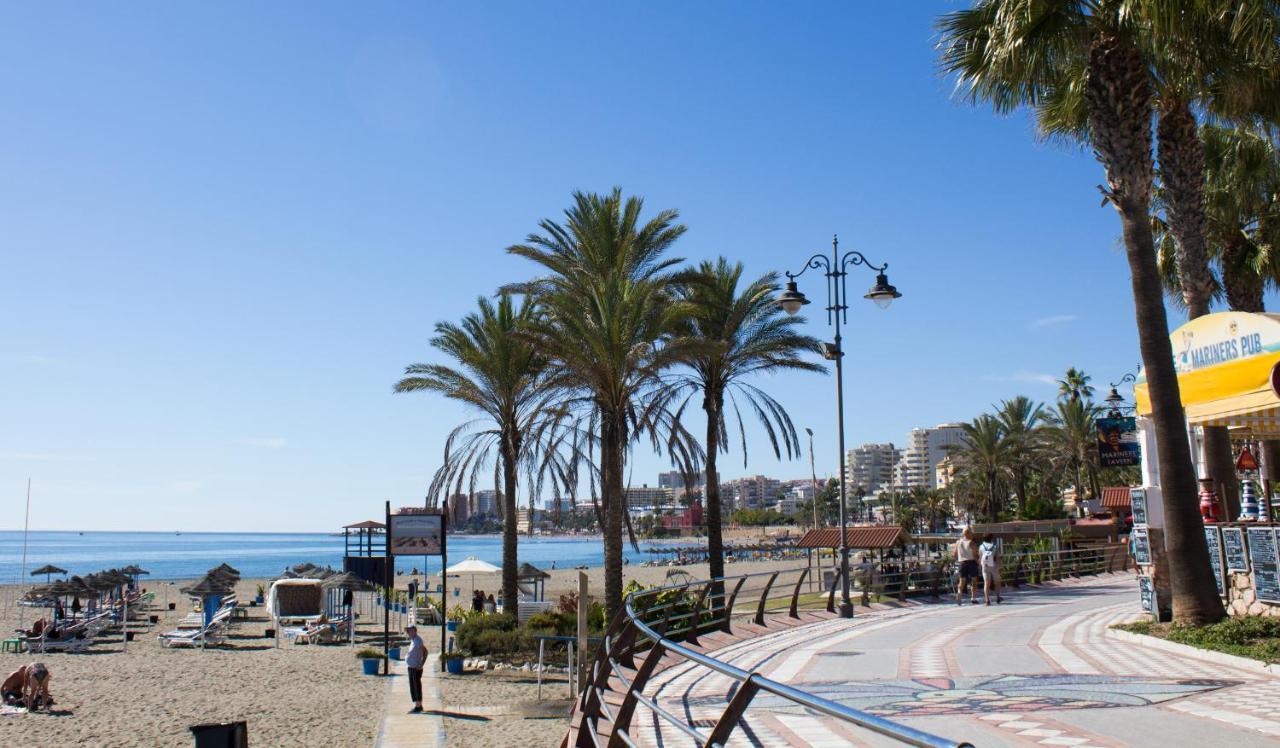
[(871, 466), (917, 468), (754, 492), (645, 499), (487, 502), (459, 509)]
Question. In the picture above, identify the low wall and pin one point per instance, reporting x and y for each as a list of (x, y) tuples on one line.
[(1242, 600)]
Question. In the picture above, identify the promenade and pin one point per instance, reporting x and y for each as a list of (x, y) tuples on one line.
[(1039, 669)]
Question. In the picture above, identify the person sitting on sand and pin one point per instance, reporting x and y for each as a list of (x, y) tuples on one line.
[(28, 686)]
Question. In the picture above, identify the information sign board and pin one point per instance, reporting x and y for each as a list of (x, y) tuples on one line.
[(1214, 540), (1138, 498), (416, 535), (1233, 546), (1265, 563), (1147, 591), (1141, 546)]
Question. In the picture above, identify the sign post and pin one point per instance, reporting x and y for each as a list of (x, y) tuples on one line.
[(418, 531)]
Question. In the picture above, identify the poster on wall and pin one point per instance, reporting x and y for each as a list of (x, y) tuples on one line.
[(1147, 591), (1265, 563), (416, 535), (1214, 541), (1141, 547), (1233, 546), (1118, 442)]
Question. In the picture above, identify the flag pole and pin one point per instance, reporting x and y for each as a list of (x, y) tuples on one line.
[(26, 524)]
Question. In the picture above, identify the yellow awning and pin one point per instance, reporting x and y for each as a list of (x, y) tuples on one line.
[(1225, 363)]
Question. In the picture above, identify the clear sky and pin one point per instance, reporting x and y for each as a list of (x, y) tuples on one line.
[(225, 228)]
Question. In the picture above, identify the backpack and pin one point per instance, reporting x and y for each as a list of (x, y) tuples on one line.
[(987, 554)]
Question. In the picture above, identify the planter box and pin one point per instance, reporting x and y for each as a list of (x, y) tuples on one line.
[(394, 653), (370, 666), (454, 665)]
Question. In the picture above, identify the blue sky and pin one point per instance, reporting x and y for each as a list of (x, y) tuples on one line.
[(225, 229)]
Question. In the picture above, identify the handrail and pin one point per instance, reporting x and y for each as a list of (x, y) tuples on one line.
[(661, 626)]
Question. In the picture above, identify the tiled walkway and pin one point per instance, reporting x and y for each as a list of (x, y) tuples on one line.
[(400, 729), (1037, 670)]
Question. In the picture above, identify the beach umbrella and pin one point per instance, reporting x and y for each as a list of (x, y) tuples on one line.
[(471, 566), (208, 586), (227, 568), (48, 570), (346, 581)]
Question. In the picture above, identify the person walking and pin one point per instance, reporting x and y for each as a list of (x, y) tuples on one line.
[(967, 558), (989, 559), (415, 660)]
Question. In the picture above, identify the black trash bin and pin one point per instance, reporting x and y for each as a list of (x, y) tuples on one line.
[(221, 735)]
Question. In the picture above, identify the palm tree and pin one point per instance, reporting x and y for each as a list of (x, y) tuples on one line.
[(1074, 385), (935, 505), (608, 319), (744, 333), (1020, 419), (1089, 54), (501, 375), (1071, 438), (984, 451)]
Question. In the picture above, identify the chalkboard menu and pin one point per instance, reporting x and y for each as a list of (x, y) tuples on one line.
[(1214, 541), (1141, 546), (1233, 545), (1148, 593), (1138, 498), (1265, 562)]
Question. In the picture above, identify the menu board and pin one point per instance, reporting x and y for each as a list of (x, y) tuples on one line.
[(1233, 546), (1214, 541), (1147, 591), (1138, 499), (1265, 563), (1141, 546)]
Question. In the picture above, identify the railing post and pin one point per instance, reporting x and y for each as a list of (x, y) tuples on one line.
[(694, 624), (725, 626), (764, 597), (733, 712), (622, 720), (795, 594)]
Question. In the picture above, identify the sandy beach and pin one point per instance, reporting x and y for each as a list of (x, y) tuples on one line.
[(149, 695), (292, 696)]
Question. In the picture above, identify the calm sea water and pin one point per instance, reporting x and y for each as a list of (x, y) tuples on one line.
[(170, 556)]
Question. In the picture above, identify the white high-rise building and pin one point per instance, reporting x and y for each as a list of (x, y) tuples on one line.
[(871, 466), (754, 492), (917, 467)]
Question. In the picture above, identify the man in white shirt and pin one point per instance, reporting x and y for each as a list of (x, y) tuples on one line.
[(415, 659)]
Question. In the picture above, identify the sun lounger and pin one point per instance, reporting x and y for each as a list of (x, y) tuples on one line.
[(211, 634), (64, 642)]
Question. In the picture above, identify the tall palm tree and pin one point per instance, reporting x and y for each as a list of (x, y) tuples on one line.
[(1074, 385), (984, 451), (1045, 55), (744, 333), (608, 319), (1071, 440), (501, 375), (1020, 419)]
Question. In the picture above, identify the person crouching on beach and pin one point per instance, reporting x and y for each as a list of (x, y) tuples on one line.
[(28, 686), (967, 557), (415, 660)]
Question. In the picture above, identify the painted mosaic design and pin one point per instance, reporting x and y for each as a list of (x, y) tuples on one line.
[(1007, 693)]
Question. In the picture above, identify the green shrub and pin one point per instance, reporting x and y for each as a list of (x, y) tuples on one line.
[(469, 631), (369, 653), (595, 617), (553, 622), (498, 643)]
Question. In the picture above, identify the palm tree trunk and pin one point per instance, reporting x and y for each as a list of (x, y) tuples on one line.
[(1118, 98), (510, 565), (715, 533), (611, 444), (1182, 173)]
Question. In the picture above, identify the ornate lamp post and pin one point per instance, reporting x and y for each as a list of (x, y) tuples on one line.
[(791, 300)]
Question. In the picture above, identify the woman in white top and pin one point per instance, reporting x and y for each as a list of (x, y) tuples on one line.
[(967, 557), (989, 559)]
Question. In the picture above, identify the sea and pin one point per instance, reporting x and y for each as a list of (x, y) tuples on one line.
[(168, 555)]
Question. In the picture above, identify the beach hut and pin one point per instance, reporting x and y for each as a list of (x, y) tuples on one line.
[(48, 570), (295, 601), (532, 581)]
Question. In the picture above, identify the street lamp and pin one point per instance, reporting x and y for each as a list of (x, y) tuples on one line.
[(1115, 399), (791, 300)]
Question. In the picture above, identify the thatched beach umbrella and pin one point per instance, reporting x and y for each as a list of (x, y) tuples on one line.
[(226, 568), (346, 581), (48, 570)]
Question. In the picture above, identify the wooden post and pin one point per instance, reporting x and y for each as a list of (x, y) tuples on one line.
[(582, 629)]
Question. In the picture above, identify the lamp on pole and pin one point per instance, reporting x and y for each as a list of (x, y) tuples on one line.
[(813, 470), (791, 300)]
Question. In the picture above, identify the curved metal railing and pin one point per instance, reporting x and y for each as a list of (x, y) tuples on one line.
[(684, 622)]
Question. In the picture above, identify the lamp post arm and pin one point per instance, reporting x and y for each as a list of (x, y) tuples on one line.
[(854, 257), (820, 262)]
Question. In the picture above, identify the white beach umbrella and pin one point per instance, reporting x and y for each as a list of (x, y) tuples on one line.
[(472, 566)]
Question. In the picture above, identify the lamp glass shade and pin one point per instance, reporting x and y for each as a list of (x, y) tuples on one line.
[(791, 299), (882, 293)]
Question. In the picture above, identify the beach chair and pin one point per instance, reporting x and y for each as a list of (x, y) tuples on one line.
[(212, 634), (66, 641)]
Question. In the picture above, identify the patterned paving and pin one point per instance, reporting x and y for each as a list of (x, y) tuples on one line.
[(1061, 664)]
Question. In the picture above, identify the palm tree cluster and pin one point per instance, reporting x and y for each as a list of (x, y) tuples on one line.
[(609, 346), (1135, 81), (1016, 461)]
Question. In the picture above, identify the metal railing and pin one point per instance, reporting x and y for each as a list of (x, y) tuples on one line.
[(681, 622)]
